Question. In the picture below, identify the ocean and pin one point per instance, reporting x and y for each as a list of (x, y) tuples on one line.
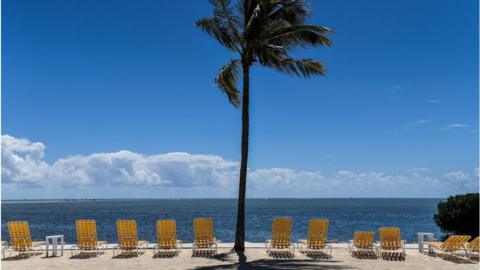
[(345, 215)]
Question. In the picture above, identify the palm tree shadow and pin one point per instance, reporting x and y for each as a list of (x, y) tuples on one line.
[(263, 264)]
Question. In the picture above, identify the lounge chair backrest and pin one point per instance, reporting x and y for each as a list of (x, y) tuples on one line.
[(363, 239), (317, 233), (454, 242), (204, 233), (474, 245), (281, 230), (86, 234), (127, 234), (166, 233), (390, 238), (20, 235)]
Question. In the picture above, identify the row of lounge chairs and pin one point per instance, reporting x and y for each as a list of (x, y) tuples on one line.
[(454, 245), (317, 245), (128, 242), (204, 239)]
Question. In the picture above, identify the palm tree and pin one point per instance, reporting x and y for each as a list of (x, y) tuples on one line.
[(260, 32)]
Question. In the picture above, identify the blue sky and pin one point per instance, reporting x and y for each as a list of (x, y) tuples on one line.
[(400, 94)]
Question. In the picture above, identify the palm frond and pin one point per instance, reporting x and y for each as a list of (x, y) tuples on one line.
[(226, 80), (214, 28), (224, 13), (253, 17), (299, 36), (264, 32), (222, 10), (279, 61), (293, 11)]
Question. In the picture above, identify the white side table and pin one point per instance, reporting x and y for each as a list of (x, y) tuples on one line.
[(421, 239), (54, 240)]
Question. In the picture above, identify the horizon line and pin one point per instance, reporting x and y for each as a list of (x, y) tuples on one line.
[(217, 198)]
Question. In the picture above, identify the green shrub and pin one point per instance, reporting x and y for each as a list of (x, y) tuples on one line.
[(459, 215)]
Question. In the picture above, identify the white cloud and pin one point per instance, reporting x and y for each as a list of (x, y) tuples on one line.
[(433, 101), (456, 126), (22, 161), (459, 178), (128, 174), (422, 121)]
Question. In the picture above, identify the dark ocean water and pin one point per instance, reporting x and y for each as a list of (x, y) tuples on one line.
[(345, 215)]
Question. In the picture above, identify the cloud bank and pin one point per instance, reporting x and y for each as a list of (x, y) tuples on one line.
[(124, 174)]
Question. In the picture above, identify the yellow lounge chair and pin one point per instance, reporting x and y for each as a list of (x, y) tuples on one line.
[(362, 241), (167, 236), (87, 237), (204, 235), (128, 238), (474, 247), (453, 244), (281, 231), (390, 241), (20, 238), (316, 238)]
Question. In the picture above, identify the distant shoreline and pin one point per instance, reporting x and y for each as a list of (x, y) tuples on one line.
[(172, 199)]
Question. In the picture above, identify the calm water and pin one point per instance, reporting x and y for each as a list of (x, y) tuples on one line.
[(345, 215)]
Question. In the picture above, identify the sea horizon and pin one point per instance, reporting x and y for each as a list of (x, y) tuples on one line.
[(212, 198)]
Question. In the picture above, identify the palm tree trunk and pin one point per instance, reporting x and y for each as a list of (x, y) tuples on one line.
[(240, 232)]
